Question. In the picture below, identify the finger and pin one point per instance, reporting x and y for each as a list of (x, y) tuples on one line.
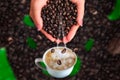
[(80, 14), (48, 35), (35, 12), (65, 40), (74, 1), (71, 34), (37, 18), (79, 21), (58, 41)]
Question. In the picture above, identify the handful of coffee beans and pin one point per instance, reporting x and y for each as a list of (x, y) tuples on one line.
[(58, 16)]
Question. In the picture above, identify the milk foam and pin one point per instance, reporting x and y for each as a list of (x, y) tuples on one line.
[(67, 59)]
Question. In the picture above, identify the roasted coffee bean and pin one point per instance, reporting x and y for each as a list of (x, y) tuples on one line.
[(59, 62), (52, 50), (58, 13), (63, 51)]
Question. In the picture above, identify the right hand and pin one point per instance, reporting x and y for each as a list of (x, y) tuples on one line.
[(35, 13), (80, 8)]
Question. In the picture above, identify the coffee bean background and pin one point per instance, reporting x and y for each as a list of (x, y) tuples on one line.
[(98, 64)]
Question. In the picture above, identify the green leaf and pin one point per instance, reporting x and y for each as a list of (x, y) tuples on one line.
[(89, 44), (31, 43), (115, 14), (28, 21), (6, 72)]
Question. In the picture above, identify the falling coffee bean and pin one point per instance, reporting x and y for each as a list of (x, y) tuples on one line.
[(59, 62), (52, 50), (63, 51)]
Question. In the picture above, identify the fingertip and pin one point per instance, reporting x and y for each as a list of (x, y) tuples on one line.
[(58, 41), (65, 40), (39, 27), (80, 23)]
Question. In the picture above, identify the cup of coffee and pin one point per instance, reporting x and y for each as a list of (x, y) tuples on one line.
[(59, 61)]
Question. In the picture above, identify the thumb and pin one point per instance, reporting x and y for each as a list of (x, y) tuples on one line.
[(71, 34), (80, 13), (35, 12), (40, 24), (37, 19)]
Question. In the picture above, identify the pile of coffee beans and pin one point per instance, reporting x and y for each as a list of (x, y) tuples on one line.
[(58, 16)]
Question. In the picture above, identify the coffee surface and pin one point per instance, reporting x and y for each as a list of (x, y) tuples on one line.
[(58, 60)]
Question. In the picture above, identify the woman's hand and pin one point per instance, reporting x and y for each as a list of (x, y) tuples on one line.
[(35, 13), (80, 14)]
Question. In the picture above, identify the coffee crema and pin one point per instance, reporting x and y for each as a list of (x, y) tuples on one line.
[(58, 60)]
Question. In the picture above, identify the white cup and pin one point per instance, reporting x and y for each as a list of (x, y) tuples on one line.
[(53, 72)]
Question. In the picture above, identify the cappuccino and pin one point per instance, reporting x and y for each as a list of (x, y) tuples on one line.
[(60, 58)]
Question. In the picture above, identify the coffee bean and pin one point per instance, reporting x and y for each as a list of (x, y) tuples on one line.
[(52, 50), (59, 62), (63, 51), (58, 12), (10, 39)]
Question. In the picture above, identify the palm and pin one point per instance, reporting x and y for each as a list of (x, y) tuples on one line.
[(35, 13)]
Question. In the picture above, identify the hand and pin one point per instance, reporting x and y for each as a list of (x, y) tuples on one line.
[(35, 13), (80, 14)]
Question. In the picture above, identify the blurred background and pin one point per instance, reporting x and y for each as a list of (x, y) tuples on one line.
[(101, 62)]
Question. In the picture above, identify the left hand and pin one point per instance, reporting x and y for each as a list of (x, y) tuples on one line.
[(80, 8)]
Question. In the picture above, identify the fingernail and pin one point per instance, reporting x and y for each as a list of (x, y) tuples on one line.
[(39, 27), (81, 23)]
